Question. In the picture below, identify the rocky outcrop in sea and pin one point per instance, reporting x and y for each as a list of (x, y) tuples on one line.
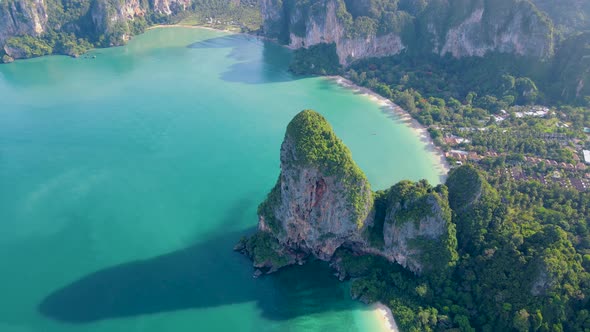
[(323, 202)]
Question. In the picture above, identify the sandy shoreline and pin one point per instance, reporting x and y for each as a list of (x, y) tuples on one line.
[(441, 163), (232, 32), (385, 317), (188, 26)]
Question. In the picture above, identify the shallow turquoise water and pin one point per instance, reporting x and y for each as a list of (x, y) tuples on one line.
[(125, 181)]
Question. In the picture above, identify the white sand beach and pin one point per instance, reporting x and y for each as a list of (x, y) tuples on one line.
[(385, 317), (188, 26), (441, 162)]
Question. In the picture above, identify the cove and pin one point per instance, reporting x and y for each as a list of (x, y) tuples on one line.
[(126, 179)]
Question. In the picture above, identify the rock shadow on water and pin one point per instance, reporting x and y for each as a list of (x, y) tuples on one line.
[(257, 61), (208, 274)]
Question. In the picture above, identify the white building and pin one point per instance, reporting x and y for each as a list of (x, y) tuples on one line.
[(586, 156)]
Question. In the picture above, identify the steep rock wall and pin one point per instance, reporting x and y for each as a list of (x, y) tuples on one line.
[(504, 26), (323, 202), (567, 15), (459, 28), (22, 17), (304, 26), (110, 17), (402, 234), (93, 19), (315, 208)]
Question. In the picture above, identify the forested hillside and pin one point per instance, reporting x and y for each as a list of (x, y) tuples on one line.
[(523, 263), (541, 41), (569, 16)]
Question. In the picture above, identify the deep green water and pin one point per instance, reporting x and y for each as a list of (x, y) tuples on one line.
[(125, 181)]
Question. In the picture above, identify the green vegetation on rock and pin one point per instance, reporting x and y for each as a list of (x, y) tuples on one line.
[(6, 59), (416, 202), (476, 206), (264, 250), (413, 201), (521, 265), (465, 186), (50, 43), (29, 46), (316, 145), (266, 208), (374, 233)]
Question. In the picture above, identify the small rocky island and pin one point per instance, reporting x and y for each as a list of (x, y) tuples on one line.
[(322, 203)]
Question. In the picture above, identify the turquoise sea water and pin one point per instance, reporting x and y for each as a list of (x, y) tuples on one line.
[(125, 181)]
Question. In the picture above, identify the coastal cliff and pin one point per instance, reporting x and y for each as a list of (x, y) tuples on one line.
[(21, 17), (41, 27), (323, 202), (108, 17), (322, 199), (418, 232), (482, 26), (33, 18), (571, 68), (301, 24), (363, 28)]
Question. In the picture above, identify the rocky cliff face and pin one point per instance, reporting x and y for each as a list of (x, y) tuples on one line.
[(504, 26), (113, 17), (322, 199), (273, 17), (323, 202), (418, 232), (463, 28), (567, 15), (303, 25), (93, 18), (22, 17), (571, 69)]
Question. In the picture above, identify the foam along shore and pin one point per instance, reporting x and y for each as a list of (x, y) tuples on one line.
[(385, 317), (235, 31), (188, 26), (441, 164)]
